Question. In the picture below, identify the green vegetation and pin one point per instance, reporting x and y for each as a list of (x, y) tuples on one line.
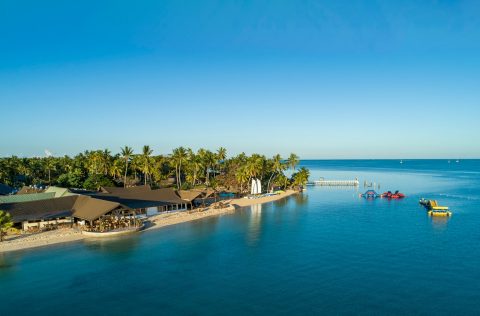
[(5, 223), (183, 168)]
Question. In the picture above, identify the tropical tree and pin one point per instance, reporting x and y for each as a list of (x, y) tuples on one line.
[(221, 156), (194, 165), (293, 161), (277, 168), (242, 176), (127, 153), (115, 170), (106, 161), (208, 161), (179, 156), (5, 223), (147, 162), (301, 177), (49, 166)]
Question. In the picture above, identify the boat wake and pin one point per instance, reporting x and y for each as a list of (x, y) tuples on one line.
[(460, 197)]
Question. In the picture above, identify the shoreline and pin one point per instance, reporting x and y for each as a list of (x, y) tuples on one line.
[(55, 237)]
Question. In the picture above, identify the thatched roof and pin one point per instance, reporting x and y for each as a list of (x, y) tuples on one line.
[(40, 209), (89, 208), (140, 197), (79, 206), (189, 195)]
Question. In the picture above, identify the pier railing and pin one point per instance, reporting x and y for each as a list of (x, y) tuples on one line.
[(336, 183)]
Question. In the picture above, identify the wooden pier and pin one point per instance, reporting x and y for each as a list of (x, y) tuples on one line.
[(336, 183)]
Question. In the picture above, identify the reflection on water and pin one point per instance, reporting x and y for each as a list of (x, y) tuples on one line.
[(205, 227), (7, 262), (301, 198), (121, 246), (439, 223), (254, 228)]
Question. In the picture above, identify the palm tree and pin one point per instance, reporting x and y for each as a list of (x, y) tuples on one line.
[(293, 161), (242, 176), (127, 152), (301, 177), (49, 166), (254, 166), (277, 168), (116, 169), (179, 156), (195, 164), (146, 162), (5, 223), (208, 162), (106, 161), (221, 155)]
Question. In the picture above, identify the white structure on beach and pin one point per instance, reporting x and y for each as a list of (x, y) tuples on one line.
[(256, 186)]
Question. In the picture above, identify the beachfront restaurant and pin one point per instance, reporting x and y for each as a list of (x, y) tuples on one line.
[(41, 214), (83, 211)]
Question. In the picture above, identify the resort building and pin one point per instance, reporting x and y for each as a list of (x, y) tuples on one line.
[(143, 199), (110, 208), (41, 214)]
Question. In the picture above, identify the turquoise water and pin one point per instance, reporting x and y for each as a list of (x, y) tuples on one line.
[(326, 251)]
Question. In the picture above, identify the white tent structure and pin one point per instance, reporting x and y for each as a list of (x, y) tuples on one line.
[(256, 186)]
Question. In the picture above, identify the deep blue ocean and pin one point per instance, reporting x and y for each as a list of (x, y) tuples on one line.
[(326, 251)]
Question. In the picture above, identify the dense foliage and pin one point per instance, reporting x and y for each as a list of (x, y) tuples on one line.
[(183, 168), (5, 223)]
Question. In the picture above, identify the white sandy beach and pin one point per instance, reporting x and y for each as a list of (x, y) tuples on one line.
[(18, 242)]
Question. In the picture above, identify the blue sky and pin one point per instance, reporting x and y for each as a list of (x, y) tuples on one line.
[(324, 79)]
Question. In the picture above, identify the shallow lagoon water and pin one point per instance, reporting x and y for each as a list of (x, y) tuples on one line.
[(326, 251)]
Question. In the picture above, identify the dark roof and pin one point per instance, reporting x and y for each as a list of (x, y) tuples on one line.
[(123, 191), (40, 209), (189, 195), (79, 206), (90, 209), (140, 196), (5, 189)]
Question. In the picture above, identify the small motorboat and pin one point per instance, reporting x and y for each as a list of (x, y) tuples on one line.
[(424, 202), (396, 195), (370, 194), (440, 211)]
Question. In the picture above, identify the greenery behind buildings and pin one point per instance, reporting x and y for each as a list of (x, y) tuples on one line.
[(183, 168)]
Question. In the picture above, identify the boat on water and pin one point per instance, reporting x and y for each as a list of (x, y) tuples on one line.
[(390, 195), (434, 209), (370, 194)]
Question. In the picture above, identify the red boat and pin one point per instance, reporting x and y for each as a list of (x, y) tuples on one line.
[(390, 195)]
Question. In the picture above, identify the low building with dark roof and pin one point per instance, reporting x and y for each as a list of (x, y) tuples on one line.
[(41, 213), (92, 207), (62, 211), (143, 199)]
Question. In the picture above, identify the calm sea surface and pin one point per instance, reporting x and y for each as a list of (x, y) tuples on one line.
[(326, 251)]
